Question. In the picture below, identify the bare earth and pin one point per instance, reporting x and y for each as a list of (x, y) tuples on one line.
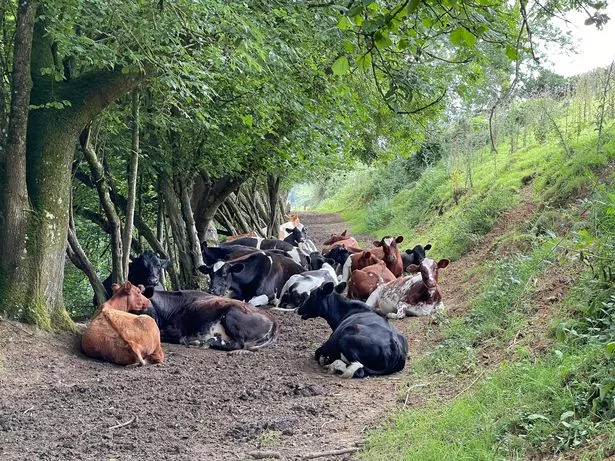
[(203, 404)]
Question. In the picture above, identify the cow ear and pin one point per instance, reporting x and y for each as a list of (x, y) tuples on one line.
[(344, 233), (205, 269), (330, 261), (327, 288), (127, 286), (236, 268), (115, 287), (443, 263), (340, 287), (399, 239), (132, 258), (409, 251), (377, 243), (148, 292), (427, 247), (367, 254), (412, 268), (290, 231), (164, 263)]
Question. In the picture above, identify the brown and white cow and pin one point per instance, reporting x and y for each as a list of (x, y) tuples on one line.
[(411, 295), (364, 281), (114, 335)]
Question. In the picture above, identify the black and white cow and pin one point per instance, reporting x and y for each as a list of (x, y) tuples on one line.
[(299, 286), (270, 244), (257, 278), (145, 270), (196, 318), (363, 343), (415, 255)]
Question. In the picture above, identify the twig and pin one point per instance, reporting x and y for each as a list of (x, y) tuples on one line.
[(29, 409), (117, 426), (414, 386), (470, 385), (343, 451), (264, 454), (325, 423)]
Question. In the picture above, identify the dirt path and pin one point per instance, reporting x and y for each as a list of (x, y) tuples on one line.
[(205, 404), (201, 404)]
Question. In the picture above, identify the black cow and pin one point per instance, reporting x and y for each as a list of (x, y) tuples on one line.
[(257, 278), (212, 255), (145, 270), (363, 343), (196, 318), (415, 255)]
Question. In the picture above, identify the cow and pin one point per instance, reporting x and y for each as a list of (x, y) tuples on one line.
[(295, 235), (293, 221), (415, 255), (145, 270), (299, 286), (385, 249), (342, 240), (270, 244), (257, 278), (362, 343), (117, 336), (195, 318), (232, 238), (364, 281), (410, 295)]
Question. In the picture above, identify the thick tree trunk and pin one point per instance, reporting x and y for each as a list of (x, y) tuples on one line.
[(33, 267), (193, 238)]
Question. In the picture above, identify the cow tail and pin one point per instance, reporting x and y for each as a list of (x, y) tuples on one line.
[(119, 332), (397, 366), (269, 338)]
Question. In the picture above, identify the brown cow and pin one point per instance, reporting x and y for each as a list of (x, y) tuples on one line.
[(364, 281), (411, 295), (116, 336), (230, 238), (341, 240), (385, 249)]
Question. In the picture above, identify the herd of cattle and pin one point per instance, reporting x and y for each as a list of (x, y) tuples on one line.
[(355, 290)]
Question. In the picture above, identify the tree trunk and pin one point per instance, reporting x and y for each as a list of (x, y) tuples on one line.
[(34, 232), (132, 184), (273, 188)]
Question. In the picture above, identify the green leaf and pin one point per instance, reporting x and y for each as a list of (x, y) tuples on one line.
[(344, 23), (461, 36), (535, 416), (341, 66), (382, 40), (402, 44), (413, 6), (610, 348), (511, 53), (365, 62), (565, 415), (247, 120)]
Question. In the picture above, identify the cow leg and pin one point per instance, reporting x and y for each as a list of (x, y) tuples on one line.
[(260, 300), (337, 366), (400, 314), (157, 356), (226, 345), (326, 354)]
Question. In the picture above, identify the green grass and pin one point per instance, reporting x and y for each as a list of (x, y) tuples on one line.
[(533, 403)]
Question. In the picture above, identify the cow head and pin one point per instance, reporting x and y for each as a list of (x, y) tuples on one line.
[(296, 235), (367, 258), (415, 255), (221, 277), (146, 269), (338, 254), (429, 270), (313, 306), (128, 297)]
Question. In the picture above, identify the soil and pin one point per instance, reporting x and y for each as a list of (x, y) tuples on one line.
[(55, 403)]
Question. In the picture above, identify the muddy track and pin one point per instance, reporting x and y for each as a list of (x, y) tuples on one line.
[(200, 404), (204, 404)]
